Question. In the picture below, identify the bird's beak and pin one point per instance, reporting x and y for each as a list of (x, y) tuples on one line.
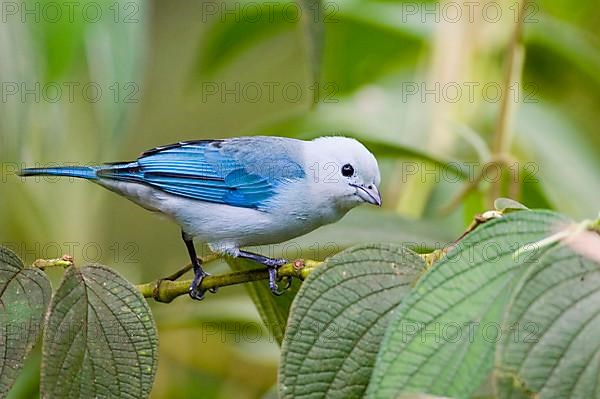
[(368, 194)]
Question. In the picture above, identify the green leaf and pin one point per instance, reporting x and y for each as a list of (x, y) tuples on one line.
[(506, 205), (251, 23), (100, 338), (273, 310), (312, 27), (24, 296), (338, 320), (359, 226), (571, 42), (564, 161), (384, 43), (552, 349), (443, 337), (391, 17), (239, 30)]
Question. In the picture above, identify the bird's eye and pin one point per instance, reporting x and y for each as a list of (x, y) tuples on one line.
[(347, 170)]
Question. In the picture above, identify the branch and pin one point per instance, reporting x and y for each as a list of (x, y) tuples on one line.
[(163, 290), (64, 262), (515, 57), (512, 74), (166, 289)]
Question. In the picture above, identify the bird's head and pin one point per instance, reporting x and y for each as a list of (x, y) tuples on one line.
[(345, 171)]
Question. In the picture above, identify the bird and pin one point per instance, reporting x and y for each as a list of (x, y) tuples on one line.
[(238, 192)]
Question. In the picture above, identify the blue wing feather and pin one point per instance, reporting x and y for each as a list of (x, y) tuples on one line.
[(244, 172)]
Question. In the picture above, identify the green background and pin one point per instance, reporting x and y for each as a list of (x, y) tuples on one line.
[(171, 71)]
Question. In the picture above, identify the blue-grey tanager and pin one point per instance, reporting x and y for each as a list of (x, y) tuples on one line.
[(243, 191)]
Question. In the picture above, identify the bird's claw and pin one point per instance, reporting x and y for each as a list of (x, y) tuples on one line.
[(272, 268), (195, 291), (288, 283), (196, 294)]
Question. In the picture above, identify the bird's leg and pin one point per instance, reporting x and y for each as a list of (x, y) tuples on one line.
[(195, 291), (175, 276), (272, 266)]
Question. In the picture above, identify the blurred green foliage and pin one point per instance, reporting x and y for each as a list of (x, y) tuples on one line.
[(145, 73)]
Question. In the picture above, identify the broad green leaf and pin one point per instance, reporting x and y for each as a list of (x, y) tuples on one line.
[(273, 310), (391, 16), (571, 42), (24, 296), (552, 349), (383, 44), (240, 29), (443, 337), (99, 339), (359, 226), (338, 320), (249, 23)]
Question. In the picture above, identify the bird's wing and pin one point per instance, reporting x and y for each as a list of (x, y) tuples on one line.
[(244, 172)]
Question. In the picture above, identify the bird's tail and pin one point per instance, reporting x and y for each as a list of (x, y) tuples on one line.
[(83, 172)]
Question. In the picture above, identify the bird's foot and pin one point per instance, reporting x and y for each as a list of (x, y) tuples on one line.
[(212, 290), (272, 266), (195, 291)]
